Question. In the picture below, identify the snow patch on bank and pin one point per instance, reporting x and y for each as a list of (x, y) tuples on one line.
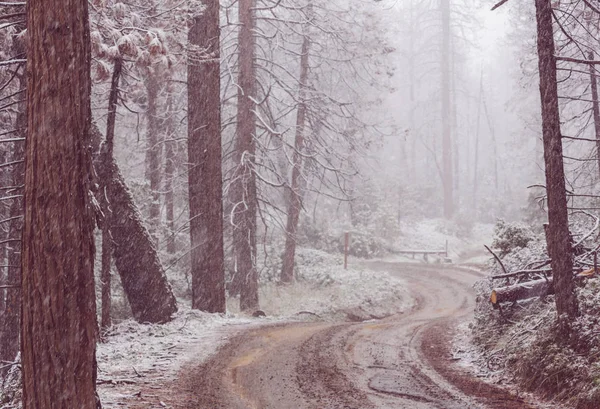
[(135, 356)]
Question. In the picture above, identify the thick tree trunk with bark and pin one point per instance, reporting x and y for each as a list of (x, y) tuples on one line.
[(204, 151), (153, 153), (559, 245), (522, 291), (447, 171), (295, 196), (142, 275), (58, 325), (244, 196)]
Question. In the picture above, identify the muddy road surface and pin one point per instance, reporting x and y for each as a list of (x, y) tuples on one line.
[(401, 361)]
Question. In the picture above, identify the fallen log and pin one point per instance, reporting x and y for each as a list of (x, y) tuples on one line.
[(530, 289), (522, 291)]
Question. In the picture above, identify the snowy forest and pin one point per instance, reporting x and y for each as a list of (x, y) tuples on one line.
[(299, 204)]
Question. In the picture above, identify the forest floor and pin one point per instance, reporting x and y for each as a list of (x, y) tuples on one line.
[(402, 360)]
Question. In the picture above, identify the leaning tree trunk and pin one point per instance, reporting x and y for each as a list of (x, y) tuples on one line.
[(295, 196), (136, 259), (559, 245), (205, 178), (244, 196), (58, 323), (447, 176), (595, 106)]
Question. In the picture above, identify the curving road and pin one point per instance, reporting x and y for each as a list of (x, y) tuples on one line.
[(377, 364)]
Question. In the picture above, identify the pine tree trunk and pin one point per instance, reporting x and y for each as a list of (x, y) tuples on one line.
[(153, 153), (58, 327), (244, 194), (295, 197), (142, 275), (595, 106), (170, 147), (105, 276), (558, 230), (447, 176), (204, 172)]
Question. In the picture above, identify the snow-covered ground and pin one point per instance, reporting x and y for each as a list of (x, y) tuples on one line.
[(135, 355)]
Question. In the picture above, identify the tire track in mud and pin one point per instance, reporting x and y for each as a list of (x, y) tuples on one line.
[(398, 362)]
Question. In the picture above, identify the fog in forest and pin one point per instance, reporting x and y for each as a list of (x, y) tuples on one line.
[(298, 203)]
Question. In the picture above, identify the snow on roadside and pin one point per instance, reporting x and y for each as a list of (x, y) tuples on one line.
[(323, 287), (135, 356)]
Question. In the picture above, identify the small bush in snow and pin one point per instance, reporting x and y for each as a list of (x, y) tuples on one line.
[(511, 236)]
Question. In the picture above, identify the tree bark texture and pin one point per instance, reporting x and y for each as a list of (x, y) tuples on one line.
[(522, 291), (204, 150), (142, 275), (59, 330), (447, 174), (595, 106), (105, 276), (295, 196), (559, 245), (153, 153), (244, 196)]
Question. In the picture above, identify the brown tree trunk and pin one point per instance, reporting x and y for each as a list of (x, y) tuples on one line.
[(558, 230), (170, 147), (204, 150), (142, 275), (153, 153), (595, 107), (58, 328), (295, 197), (106, 239), (447, 176), (244, 195)]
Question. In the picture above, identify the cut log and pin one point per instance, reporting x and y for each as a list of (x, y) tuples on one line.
[(531, 289), (142, 275), (522, 291)]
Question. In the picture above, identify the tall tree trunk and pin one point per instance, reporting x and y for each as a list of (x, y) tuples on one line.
[(447, 171), (58, 326), (106, 185), (559, 245), (204, 151), (476, 153), (170, 147), (295, 197), (153, 153), (244, 194), (595, 107)]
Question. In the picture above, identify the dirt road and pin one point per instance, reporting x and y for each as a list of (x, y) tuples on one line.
[(397, 362)]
